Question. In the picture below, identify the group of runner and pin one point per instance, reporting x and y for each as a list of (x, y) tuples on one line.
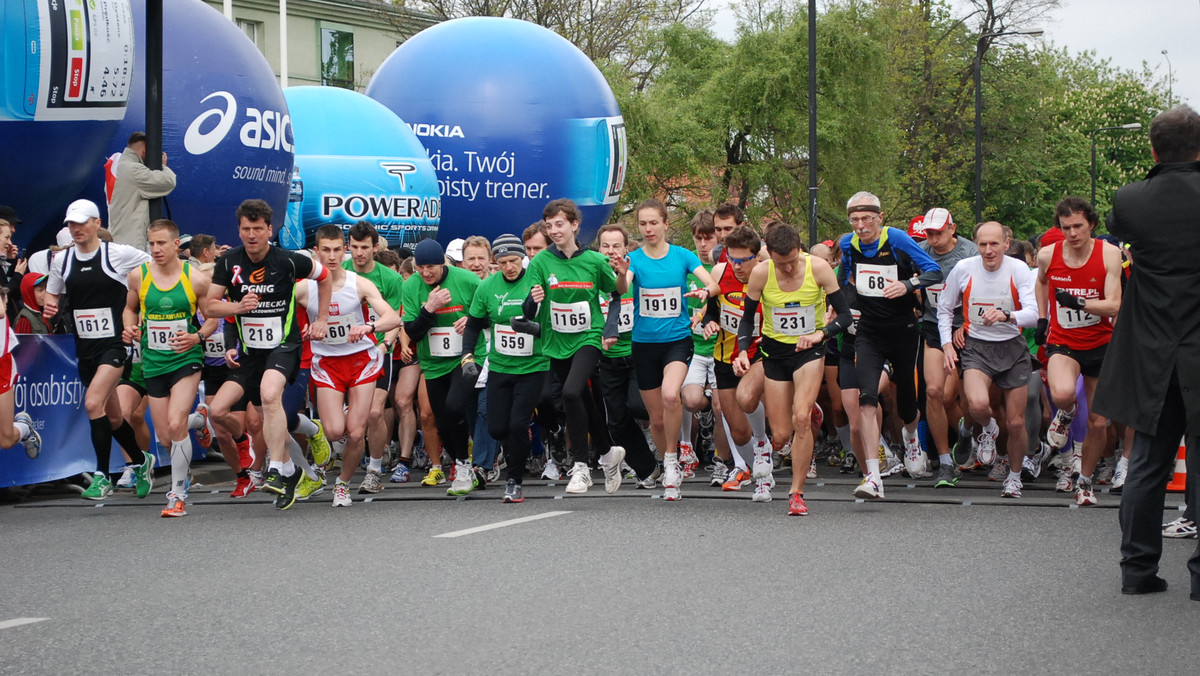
[(616, 351)]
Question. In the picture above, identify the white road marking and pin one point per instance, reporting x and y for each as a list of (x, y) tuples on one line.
[(9, 624), (500, 524)]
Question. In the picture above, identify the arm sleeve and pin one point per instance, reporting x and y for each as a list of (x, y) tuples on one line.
[(1025, 278), (712, 311), (229, 329), (929, 272), (841, 305), (950, 299), (55, 284), (475, 326), (745, 334), (418, 327), (612, 321)]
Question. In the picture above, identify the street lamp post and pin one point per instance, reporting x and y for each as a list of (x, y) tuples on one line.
[(1132, 126), (978, 76), (1170, 78)]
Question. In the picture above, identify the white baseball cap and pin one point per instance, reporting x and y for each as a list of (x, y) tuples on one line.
[(455, 250), (81, 211), (937, 219)]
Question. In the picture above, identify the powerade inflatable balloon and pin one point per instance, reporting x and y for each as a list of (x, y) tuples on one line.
[(357, 161), (226, 128), (65, 76), (513, 116)]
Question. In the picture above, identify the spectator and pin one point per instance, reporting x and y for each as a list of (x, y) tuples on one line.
[(136, 184), (203, 248), (29, 318)]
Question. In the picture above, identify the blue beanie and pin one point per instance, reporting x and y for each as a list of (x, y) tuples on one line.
[(429, 252)]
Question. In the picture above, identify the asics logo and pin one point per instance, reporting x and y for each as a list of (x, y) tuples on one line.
[(197, 142)]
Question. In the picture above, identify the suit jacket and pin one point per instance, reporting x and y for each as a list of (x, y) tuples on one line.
[(1158, 330)]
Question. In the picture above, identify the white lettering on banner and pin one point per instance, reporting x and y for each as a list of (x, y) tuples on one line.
[(359, 207), (436, 130), (57, 391), (267, 129), (504, 164), (871, 280)]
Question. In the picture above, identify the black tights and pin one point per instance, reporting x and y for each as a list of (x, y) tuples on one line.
[(577, 401)]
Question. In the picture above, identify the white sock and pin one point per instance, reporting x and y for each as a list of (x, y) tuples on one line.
[(743, 455), (909, 437), (181, 462), (945, 459), (288, 468), (670, 458), (685, 427), (375, 465), (306, 426), (23, 429), (758, 422), (843, 434), (298, 459), (873, 467), (276, 465), (1014, 476), (992, 427)]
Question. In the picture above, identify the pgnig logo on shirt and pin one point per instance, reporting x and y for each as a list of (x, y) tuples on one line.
[(267, 129)]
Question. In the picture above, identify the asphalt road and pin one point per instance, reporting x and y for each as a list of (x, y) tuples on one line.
[(925, 582)]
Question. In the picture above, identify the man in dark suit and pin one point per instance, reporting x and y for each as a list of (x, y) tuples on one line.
[(1151, 377)]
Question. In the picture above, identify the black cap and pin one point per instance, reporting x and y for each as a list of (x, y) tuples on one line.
[(10, 214)]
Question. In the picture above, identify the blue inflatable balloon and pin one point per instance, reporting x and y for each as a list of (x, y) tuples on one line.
[(513, 116), (357, 161), (226, 128), (65, 77)]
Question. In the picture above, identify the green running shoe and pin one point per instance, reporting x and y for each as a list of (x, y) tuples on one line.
[(144, 475), (101, 488), (319, 445), (947, 476), (307, 487)]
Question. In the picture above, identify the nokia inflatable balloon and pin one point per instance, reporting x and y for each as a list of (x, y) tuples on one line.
[(513, 116), (226, 129), (357, 161), (65, 77)]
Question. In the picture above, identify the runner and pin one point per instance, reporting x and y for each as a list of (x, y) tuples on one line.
[(996, 294), (435, 314), (346, 363), (19, 428), (885, 266), (700, 374), (1079, 287), (792, 287), (255, 283), (944, 246), (517, 367), (92, 276), (662, 344), (165, 293)]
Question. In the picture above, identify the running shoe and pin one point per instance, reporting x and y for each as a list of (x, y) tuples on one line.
[(309, 487), (985, 448), (1120, 473), (256, 478), (796, 506), (915, 460), (479, 476), (947, 477), (288, 497), (242, 487), (889, 462), (870, 489), (512, 492), (612, 469), (204, 435), (999, 470), (101, 488), (762, 466), (245, 453), (341, 494), (737, 479), (1031, 466), (551, 471), (1012, 488), (175, 506), (672, 494), (781, 457), (651, 481), (435, 477), (1084, 496), (581, 478), (972, 462), (319, 446), (1066, 481), (762, 490), (371, 483), (128, 479), (720, 472), (849, 463), (401, 474), (464, 480), (1180, 528), (144, 481), (1105, 470), (33, 442), (672, 476), (1062, 460), (274, 482), (1060, 427), (688, 462), (812, 468)]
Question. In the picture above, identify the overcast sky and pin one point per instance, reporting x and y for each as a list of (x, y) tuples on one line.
[(1125, 31)]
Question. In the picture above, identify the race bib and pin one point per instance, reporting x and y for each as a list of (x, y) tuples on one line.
[(570, 317), (1069, 318), (933, 293), (661, 303), (625, 319), (262, 333), (510, 342), (980, 306), (856, 314), (136, 352), (95, 323), (796, 320), (870, 280), (444, 341), (159, 333), (214, 345), (338, 332)]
